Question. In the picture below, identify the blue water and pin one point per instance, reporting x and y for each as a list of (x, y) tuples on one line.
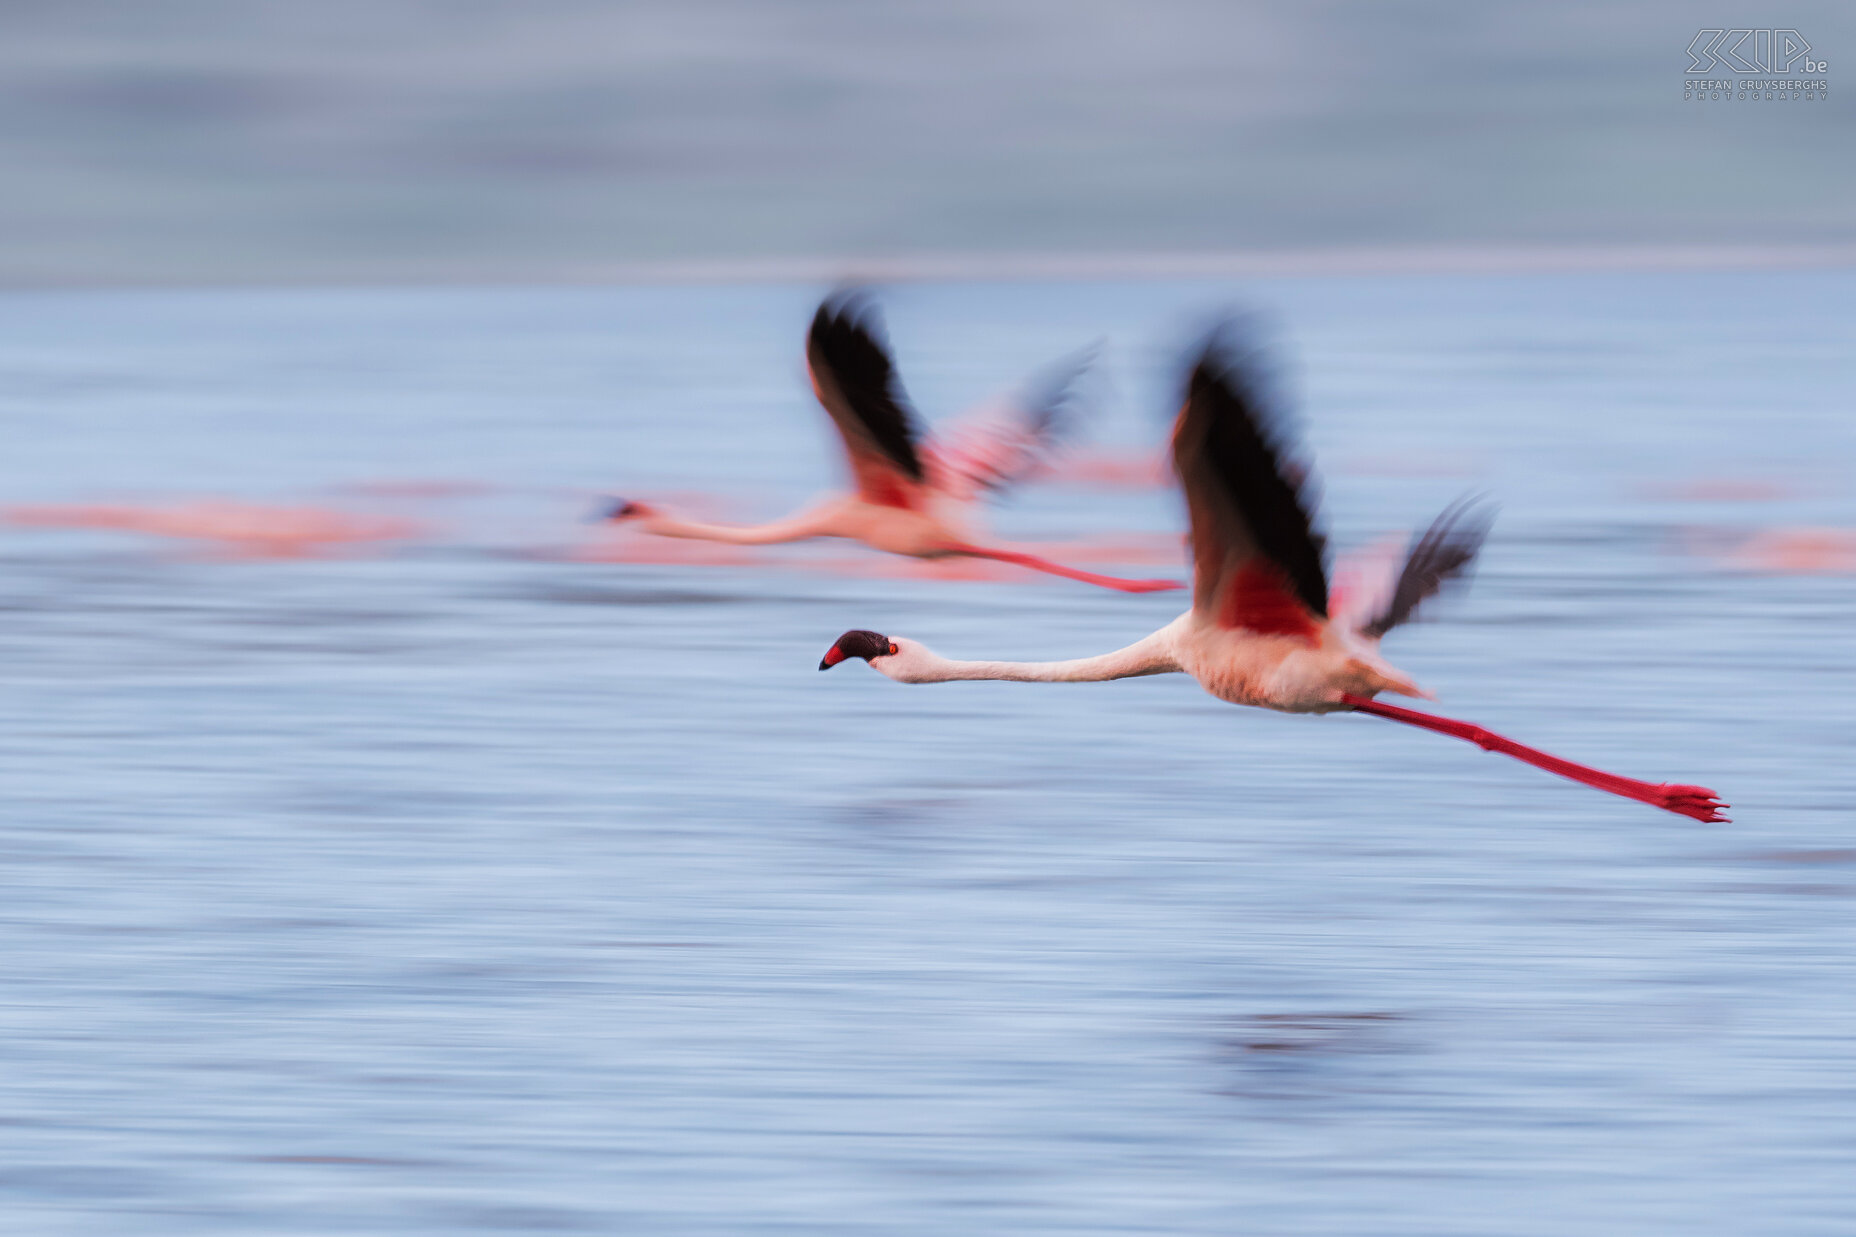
[(453, 885)]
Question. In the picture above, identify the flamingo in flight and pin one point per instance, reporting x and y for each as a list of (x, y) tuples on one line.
[(911, 496), (1263, 629)]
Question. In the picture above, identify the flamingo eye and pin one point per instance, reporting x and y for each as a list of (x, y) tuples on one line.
[(893, 650)]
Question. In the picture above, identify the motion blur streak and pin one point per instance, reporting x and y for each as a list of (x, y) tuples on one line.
[(1798, 549), (245, 528), (453, 885)]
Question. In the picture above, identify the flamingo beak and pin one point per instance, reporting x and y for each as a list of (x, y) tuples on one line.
[(864, 644), (614, 509)]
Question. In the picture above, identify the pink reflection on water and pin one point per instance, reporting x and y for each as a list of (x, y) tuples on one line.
[(243, 530), (1798, 551), (1794, 550)]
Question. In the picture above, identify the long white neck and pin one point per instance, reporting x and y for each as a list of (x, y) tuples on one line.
[(1152, 655), (818, 521)]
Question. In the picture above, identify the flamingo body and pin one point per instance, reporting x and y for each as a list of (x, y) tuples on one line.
[(1263, 629), (911, 497), (1286, 673)]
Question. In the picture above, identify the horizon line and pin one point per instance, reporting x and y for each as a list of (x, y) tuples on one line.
[(981, 266)]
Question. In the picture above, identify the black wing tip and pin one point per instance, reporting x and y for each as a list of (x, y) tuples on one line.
[(1056, 395), (1442, 556), (1238, 411), (849, 311), (1459, 530), (1237, 348), (1239, 358), (849, 343)]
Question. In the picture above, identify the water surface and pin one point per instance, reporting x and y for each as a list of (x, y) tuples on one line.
[(452, 883)]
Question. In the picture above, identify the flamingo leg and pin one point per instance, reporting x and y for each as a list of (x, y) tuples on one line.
[(1058, 569), (1695, 801)]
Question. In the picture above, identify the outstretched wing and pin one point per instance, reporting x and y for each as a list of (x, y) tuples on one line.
[(996, 447), (855, 379), (1257, 555), (1444, 552)]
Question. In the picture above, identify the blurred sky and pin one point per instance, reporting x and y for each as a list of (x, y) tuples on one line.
[(383, 140)]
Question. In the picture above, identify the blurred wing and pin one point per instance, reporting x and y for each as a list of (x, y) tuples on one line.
[(988, 451), (1257, 556), (856, 382), (1363, 580), (1443, 553)]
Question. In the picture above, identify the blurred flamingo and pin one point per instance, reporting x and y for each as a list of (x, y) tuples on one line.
[(1261, 630), (248, 530), (911, 497)]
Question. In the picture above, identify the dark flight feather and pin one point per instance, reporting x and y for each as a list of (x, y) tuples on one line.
[(1047, 412), (846, 349), (1441, 554), (1054, 401), (1235, 437)]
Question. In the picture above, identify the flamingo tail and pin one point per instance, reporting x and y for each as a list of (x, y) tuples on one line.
[(1694, 801), (1069, 573)]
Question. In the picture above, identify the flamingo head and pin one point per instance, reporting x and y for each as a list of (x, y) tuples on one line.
[(616, 509), (864, 644)]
